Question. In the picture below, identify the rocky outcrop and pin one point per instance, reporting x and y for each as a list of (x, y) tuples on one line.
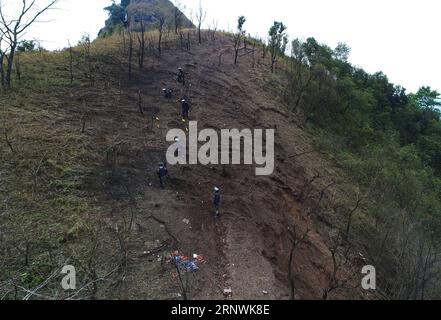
[(133, 12)]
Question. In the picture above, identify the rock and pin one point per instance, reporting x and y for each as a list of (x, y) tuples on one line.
[(147, 11), (265, 292)]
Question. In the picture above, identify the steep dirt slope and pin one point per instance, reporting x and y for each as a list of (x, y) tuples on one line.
[(249, 249)]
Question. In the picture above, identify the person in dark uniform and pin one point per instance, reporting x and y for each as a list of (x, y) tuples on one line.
[(181, 76), (162, 173), (185, 109), (168, 93), (216, 202)]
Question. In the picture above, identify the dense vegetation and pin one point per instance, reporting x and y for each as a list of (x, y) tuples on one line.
[(390, 142)]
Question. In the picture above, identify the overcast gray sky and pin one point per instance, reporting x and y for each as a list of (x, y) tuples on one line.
[(399, 37)]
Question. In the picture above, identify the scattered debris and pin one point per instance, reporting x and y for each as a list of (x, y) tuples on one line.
[(185, 264)]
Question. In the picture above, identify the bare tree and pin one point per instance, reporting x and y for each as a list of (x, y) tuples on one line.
[(18, 66), (141, 42), (2, 59), (161, 23), (201, 14), (238, 37), (215, 27), (2, 71), (338, 279), (177, 15), (188, 41), (351, 214), (296, 240), (87, 46), (70, 63), (13, 28), (140, 106), (130, 53)]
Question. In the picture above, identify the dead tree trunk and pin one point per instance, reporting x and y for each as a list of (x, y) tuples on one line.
[(160, 30), (130, 53), (188, 42), (295, 243), (141, 42), (18, 67), (2, 70), (141, 109), (16, 26), (350, 217), (200, 17), (71, 63)]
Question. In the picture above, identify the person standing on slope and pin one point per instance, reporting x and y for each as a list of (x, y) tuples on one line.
[(178, 147), (162, 173), (216, 202), (181, 76), (185, 109)]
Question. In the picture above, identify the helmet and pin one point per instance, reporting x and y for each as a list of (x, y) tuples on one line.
[(216, 189), (164, 89), (183, 100), (179, 68), (176, 139)]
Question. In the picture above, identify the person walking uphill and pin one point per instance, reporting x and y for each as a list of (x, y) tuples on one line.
[(162, 173), (181, 76), (185, 109), (216, 202)]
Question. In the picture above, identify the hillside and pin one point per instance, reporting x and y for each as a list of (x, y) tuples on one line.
[(63, 199), (79, 183)]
